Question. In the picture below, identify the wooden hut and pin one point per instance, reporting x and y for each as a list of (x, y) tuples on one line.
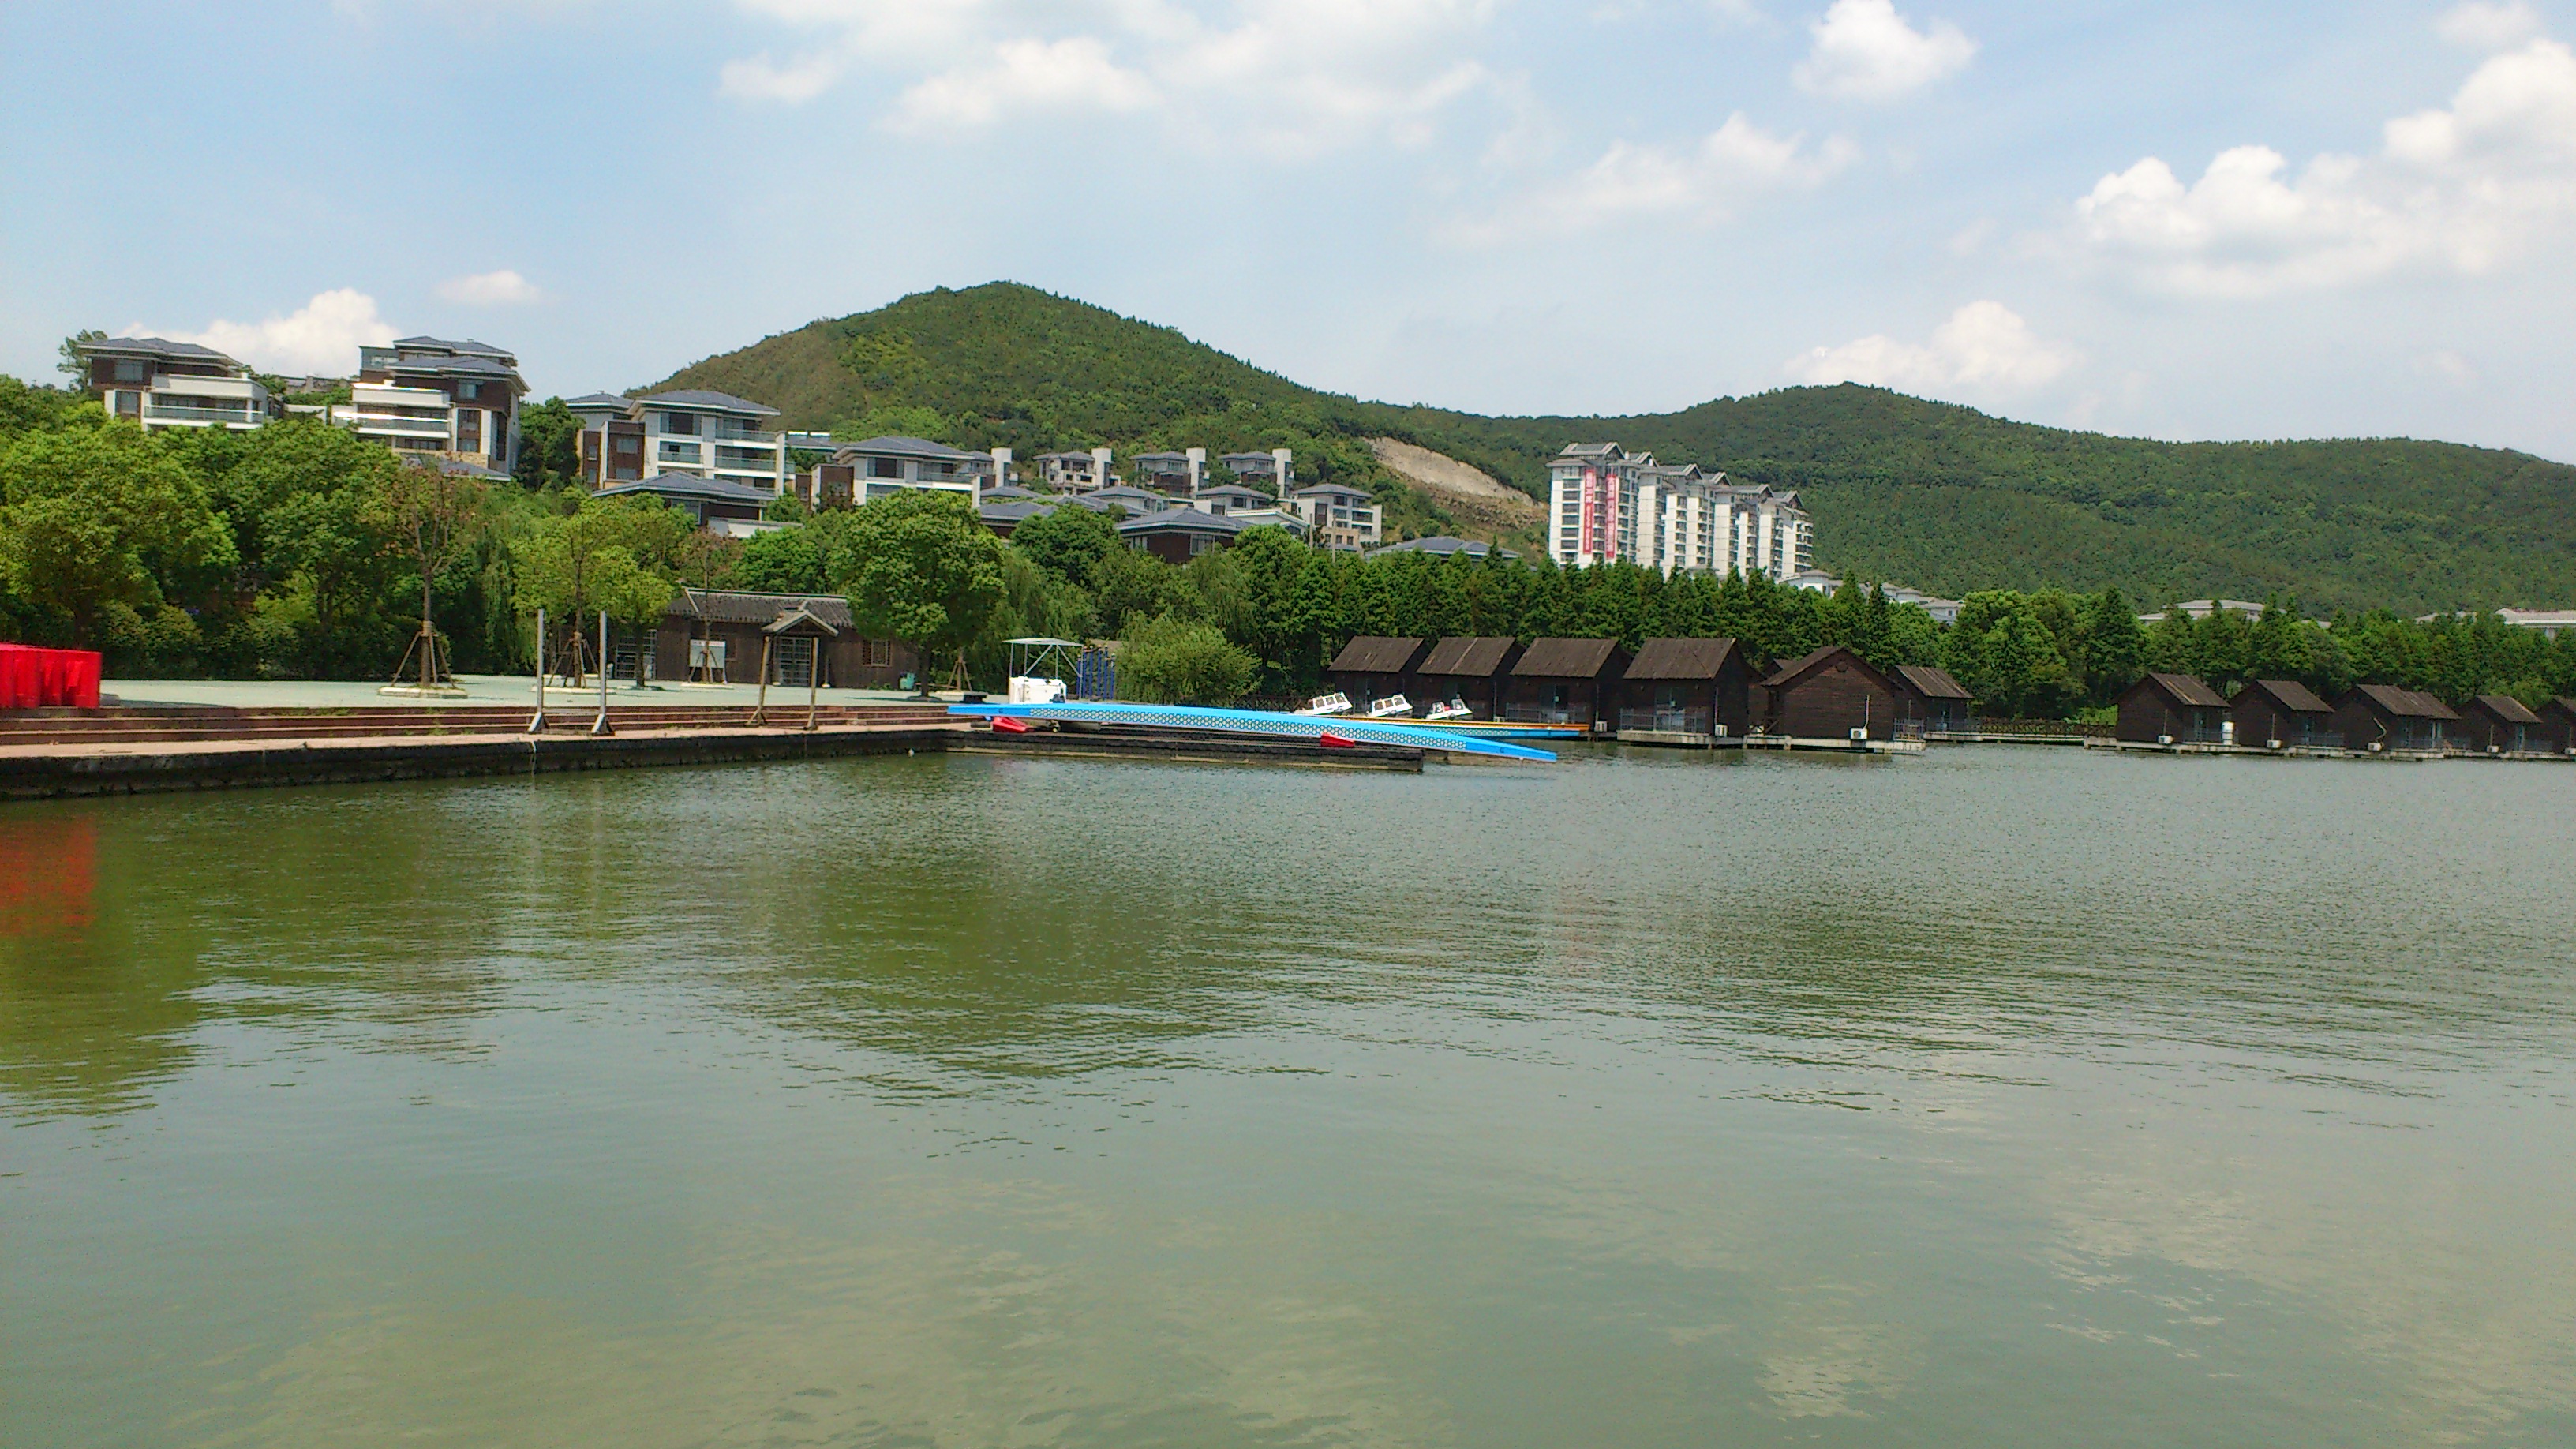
[(1932, 700), (2274, 714), (2374, 717), (715, 635), (2499, 724), (1473, 670), (1833, 694), (1686, 686), (2171, 709), (2557, 732), (1373, 666), (1566, 681)]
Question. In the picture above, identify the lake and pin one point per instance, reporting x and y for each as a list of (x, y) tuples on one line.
[(1997, 1097)]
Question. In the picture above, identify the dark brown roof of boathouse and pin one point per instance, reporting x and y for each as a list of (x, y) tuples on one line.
[(2184, 689), (1565, 658), (2289, 694), (1468, 656), (727, 606), (1681, 659), (1376, 654), (1932, 683), (2403, 703), (2507, 708)]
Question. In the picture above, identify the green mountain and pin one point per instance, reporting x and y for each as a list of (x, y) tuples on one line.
[(1938, 496)]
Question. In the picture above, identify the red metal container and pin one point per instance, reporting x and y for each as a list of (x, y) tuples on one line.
[(80, 678), (18, 670)]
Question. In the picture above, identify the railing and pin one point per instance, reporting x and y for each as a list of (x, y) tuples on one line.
[(1669, 721), (199, 415), (371, 422), (2057, 727), (1539, 714), (743, 435)]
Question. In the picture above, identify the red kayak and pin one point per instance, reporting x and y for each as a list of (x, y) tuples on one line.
[(1004, 724), (1332, 741)]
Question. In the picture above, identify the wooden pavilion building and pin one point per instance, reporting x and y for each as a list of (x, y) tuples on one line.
[(1834, 694), (1373, 667), (1941, 704), (1566, 681), (716, 636), (2499, 724), (2558, 726), (2279, 714), (1474, 670), (2171, 709), (1686, 687), (2380, 717)]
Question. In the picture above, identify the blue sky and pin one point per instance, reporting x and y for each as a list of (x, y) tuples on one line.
[(2177, 219)]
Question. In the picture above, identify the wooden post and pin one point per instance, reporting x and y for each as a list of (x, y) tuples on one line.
[(760, 711), (813, 685), (537, 721), (600, 725)]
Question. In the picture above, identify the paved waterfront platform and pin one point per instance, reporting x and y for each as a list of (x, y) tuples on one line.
[(480, 689)]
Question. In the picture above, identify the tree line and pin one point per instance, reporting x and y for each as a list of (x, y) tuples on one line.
[(298, 550)]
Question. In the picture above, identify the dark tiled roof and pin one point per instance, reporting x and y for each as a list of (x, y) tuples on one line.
[(1443, 545), (690, 397), (2401, 703), (1565, 658), (1470, 657), (599, 400), (468, 345), (2289, 694), (681, 485), (1791, 668), (2507, 708), (1184, 520), (444, 366), (1376, 654), (2185, 690), (1334, 490), (1932, 683), (157, 347), (1681, 659), (891, 445), (727, 606)]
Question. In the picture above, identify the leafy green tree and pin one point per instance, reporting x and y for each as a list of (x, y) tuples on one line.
[(549, 446), (919, 566), (91, 518), (1170, 660), (612, 555), (783, 561), (72, 364), (2115, 647), (1069, 541), (430, 515)]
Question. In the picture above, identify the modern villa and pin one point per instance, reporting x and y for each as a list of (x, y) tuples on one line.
[(163, 384), (457, 401)]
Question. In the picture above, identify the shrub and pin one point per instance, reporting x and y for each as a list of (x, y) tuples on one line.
[(1173, 661)]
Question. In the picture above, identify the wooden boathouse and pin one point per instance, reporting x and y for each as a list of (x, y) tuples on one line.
[(1834, 694), (1685, 691), (1566, 681), (715, 636), (1373, 667), (2282, 714), (2376, 718), (1475, 670), (2171, 709), (2558, 726), (1939, 703), (2499, 724)]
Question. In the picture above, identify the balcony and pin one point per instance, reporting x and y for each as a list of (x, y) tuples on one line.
[(238, 417), (1684, 721), (724, 432), (408, 427)]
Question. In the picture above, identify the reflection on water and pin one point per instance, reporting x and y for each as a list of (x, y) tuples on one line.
[(981, 1100)]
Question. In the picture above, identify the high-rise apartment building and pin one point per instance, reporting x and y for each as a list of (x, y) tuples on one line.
[(1605, 503)]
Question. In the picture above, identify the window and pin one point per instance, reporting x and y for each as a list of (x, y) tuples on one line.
[(130, 372), (881, 653), (885, 467), (469, 390), (685, 424), (469, 430)]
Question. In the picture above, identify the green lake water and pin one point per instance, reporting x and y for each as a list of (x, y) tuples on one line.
[(1997, 1097)]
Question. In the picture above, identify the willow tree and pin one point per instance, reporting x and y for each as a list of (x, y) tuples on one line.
[(433, 517), (611, 556)]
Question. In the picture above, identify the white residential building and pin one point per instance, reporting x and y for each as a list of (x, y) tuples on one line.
[(1075, 472), (1338, 516), (689, 431), (887, 465), (1605, 503), (163, 384), (453, 400), (1275, 470)]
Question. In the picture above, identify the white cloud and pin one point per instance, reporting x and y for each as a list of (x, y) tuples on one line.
[(1024, 76), (503, 288), (2490, 24), (1708, 182), (2464, 189), (1288, 77), (323, 337), (1865, 51), (1984, 348)]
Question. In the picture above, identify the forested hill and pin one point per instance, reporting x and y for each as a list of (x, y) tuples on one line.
[(1930, 494)]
